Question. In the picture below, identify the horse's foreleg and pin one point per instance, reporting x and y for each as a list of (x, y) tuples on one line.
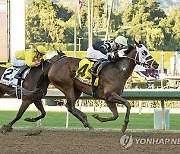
[(22, 109), (40, 107), (115, 98), (126, 120), (113, 108)]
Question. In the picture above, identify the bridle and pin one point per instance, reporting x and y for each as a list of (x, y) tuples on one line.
[(148, 58), (138, 62)]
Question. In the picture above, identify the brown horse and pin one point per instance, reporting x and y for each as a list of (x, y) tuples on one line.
[(29, 83), (112, 79)]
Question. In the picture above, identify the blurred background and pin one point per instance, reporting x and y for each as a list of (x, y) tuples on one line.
[(73, 25)]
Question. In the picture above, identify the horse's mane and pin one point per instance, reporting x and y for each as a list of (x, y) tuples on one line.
[(53, 59), (130, 47)]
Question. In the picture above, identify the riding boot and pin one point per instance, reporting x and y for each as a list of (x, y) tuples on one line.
[(93, 69), (21, 71), (94, 88)]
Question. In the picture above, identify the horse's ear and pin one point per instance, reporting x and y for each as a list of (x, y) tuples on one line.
[(59, 52), (138, 44), (130, 47)]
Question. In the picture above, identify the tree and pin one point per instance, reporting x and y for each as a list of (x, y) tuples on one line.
[(46, 22), (141, 17), (155, 39), (170, 26)]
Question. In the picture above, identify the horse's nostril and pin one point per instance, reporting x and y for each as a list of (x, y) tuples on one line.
[(156, 66)]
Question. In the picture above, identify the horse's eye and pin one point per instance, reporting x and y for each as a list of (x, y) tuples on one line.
[(144, 53)]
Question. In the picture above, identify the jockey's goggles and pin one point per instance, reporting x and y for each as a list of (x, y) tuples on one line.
[(40, 53), (120, 46)]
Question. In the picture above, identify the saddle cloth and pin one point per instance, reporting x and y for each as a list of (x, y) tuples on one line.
[(83, 74), (8, 76)]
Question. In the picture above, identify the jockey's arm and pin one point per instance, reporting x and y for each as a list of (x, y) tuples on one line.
[(29, 58), (106, 47), (100, 46), (103, 49)]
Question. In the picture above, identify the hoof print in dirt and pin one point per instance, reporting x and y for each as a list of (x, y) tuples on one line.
[(34, 132)]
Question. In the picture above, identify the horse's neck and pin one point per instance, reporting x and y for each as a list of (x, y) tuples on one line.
[(55, 58), (126, 65)]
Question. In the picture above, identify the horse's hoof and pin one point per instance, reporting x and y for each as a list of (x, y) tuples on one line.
[(95, 116), (6, 128), (91, 128), (34, 132), (123, 129), (28, 119)]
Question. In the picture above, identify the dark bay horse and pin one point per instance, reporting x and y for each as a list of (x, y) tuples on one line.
[(112, 80), (29, 83)]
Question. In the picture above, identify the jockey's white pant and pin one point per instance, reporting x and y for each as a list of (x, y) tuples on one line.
[(17, 62), (91, 53)]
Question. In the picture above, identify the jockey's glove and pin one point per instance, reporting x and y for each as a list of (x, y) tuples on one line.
[(110, 54), (37, 63), (121, 52)]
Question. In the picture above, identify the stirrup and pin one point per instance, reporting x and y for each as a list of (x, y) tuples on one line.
[(92, 72), (17, 76)]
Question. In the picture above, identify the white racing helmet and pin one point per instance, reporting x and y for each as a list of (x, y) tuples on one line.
[(121, 40)]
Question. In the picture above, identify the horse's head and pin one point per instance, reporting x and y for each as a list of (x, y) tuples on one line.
[(144, 58)]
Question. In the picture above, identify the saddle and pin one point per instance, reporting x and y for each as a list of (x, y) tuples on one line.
[(83, 72), (98, 66), (8, 77), (84, 75)]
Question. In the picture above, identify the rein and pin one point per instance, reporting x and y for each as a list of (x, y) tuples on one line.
[(137, 62), (134, 59)]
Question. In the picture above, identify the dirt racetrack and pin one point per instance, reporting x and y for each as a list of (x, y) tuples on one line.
[(70, 141)]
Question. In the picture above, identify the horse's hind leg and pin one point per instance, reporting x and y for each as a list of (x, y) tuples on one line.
[(40, 107), (79, 115), (77, 95), (71, 108), (22, 109), (113, 108)]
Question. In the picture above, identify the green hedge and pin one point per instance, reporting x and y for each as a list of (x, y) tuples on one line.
[(143, 85)]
